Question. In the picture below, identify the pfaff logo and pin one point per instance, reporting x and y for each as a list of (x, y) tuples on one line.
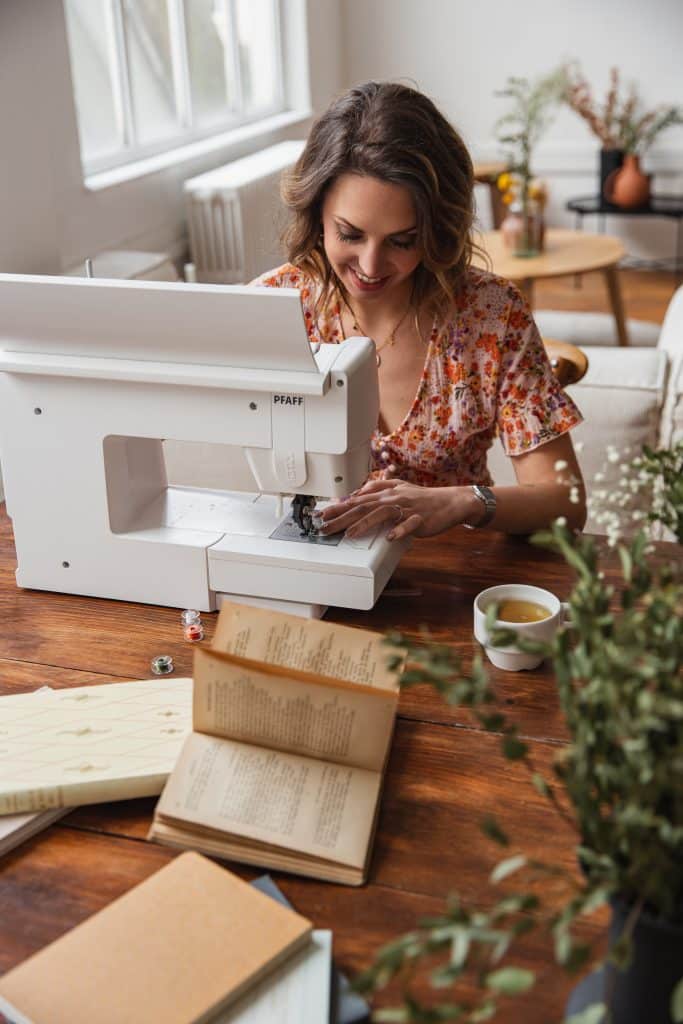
[(288, 399)]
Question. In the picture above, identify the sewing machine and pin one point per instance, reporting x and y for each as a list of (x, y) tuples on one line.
[(96, 374)]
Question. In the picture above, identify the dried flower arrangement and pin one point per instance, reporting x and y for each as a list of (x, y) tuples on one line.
[(619, 122)]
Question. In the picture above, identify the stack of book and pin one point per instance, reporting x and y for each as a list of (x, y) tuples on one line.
[(192, 943)]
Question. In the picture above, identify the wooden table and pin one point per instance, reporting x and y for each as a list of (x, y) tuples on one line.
[(444, 772), (566, 252)]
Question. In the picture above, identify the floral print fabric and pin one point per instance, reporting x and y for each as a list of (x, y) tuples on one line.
[(486, 373)]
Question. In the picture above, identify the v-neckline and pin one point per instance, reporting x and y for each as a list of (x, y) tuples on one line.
[(433, 335)]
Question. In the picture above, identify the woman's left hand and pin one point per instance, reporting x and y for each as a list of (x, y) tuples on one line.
[(407, 508)]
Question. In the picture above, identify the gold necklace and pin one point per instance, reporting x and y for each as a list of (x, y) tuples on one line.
[(391, 340)]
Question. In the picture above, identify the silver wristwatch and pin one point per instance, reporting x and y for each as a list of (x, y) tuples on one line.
[(488, 498)]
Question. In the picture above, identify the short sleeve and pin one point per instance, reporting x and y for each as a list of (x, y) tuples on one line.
[(286, 276), (532, 408)]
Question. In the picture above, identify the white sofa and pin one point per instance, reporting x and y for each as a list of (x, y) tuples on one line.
[(629, 396)]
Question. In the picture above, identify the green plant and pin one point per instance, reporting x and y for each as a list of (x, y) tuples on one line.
[(620, 682), (619, 122), (532, 107)]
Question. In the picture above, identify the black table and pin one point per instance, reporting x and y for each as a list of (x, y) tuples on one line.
[(670, 206)]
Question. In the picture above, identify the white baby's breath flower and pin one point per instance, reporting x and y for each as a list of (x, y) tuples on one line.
[(560, 465), (579, 446), (561, 521), (637, 515), (574, 496), (613, 455), (599, 478), (613, 540)]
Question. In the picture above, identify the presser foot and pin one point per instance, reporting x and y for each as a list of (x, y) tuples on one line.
[(305, 515)]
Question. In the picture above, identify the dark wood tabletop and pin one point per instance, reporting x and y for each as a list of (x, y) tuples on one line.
[(444, 774)]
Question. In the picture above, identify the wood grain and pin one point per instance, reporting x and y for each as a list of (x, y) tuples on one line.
[(444, 773)]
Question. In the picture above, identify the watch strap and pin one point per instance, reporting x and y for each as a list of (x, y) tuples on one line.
[(488, 499)]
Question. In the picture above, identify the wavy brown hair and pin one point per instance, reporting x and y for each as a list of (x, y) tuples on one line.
[(396, 134)]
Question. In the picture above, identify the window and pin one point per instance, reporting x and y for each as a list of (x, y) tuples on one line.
[(150, 75)]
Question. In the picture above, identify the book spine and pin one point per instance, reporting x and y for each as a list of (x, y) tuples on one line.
[(76, 794)]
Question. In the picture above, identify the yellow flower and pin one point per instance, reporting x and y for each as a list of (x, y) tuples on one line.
[(537, 190), (504, 181)]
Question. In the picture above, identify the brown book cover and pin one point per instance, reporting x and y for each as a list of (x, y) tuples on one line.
[(177, 949)]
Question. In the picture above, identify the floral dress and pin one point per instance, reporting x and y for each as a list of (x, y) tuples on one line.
[(485, 373)]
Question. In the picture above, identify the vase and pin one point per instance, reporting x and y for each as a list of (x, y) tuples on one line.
[(523, 230), (610, 160), (643, 991), (628, 187)]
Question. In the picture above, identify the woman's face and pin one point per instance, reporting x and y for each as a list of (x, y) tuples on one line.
[(370, 237)]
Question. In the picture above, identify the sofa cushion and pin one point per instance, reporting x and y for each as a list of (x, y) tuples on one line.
[(671, 342), (589, 329)]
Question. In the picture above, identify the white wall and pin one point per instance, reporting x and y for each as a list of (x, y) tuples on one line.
[(49, 220), (460, 53)]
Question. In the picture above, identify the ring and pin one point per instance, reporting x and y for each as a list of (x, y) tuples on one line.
[(400, 513)]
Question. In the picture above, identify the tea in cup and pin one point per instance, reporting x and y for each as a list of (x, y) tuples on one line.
[(532, 612)]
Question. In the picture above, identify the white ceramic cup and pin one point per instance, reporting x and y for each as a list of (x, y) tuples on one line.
[(509, 657)]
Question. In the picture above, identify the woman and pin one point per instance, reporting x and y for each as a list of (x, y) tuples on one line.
[(379, 245)]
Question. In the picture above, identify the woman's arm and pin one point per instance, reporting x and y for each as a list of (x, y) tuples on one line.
[(542, 494)]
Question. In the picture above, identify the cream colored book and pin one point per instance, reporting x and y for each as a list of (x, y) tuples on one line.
[(292, 725), (88, 744), (179, 948)]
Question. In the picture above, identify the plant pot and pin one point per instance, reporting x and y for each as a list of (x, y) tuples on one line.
[(643, 991), (628, 188), (610, 161)]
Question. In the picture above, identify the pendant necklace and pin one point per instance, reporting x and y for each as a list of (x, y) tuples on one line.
[(391, 340)]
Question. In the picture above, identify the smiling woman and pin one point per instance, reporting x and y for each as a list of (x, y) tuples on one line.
[(379, 244)]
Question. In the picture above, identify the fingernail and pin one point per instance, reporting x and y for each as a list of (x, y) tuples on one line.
[(391, 535)]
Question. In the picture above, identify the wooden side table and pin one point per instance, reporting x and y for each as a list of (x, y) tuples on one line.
[(487, 173), (566, 253)]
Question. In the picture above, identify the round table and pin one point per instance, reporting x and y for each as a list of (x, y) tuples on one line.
[(566, 252)]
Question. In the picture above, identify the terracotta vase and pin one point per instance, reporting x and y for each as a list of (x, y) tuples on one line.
[(628, 187)]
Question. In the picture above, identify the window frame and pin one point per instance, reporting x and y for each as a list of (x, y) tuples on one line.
[(187, 135)]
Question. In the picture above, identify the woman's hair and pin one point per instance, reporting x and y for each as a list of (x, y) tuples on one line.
[(396, 134)]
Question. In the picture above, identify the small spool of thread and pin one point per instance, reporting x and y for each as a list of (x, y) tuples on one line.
[(190, 617), (162, 665), (194, 632)]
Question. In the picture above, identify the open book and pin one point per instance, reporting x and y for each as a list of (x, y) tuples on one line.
[(290, 740)]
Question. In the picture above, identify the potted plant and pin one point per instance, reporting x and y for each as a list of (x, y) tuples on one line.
[(625, 131), (620, 680), (518, 131)]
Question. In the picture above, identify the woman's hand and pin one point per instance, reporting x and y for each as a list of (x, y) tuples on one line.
[(407, 508)]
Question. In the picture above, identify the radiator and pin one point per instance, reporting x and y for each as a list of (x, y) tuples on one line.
[(234, 215)]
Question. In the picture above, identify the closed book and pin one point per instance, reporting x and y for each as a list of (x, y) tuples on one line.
[(179, 948), (89, 744), (298, 992)]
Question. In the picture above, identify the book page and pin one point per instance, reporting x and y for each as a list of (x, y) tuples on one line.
[(302, 714), (297, 993), (311, 645), (298, 803)]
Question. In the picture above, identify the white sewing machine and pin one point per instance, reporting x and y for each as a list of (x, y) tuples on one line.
[(96, 373)]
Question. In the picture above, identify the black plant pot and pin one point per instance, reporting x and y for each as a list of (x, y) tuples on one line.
[(610, 160), (641, 994)]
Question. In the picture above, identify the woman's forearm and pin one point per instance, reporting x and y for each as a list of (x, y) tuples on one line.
[(523, 508)]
